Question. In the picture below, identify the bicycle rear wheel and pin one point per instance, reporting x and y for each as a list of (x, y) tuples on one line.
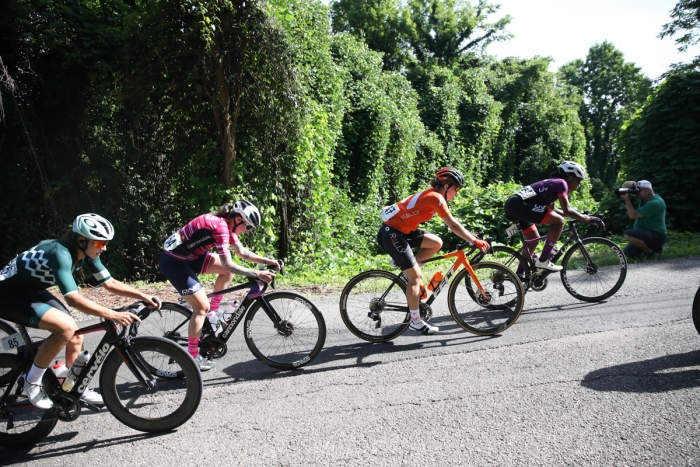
[(21, 423), (170, 322), (512, 259), (490, 314), (168, 402), (300, 340), (373, 306), (595, 274)]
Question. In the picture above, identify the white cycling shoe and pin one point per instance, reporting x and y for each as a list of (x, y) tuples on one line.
[(423, 327), (92, 397), (548, 265), (204, 364), (36, 395)]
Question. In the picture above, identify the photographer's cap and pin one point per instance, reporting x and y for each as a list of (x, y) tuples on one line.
[(644, 184)]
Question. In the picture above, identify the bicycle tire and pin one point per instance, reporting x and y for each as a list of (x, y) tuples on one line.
[(380, 293), (511, 259), (172, 402), (31, 424), (696, 311), (299, 344), (472, 313), (170, 322), (7, 329), (598, 280)]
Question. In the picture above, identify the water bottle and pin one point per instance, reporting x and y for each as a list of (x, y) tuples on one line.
[(435, 281), (75, 370), (213, 317), (225, 312), (60, 370)]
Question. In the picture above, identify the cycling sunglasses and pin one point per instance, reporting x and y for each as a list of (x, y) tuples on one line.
[(100, 243)]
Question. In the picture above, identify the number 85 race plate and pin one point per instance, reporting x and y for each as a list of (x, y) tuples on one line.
[(12, 341)]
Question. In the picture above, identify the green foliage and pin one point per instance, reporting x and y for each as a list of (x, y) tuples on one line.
[(686, 19), (611, 90), (660, 144)]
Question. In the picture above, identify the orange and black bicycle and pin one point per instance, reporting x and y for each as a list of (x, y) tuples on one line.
[(485, 298)]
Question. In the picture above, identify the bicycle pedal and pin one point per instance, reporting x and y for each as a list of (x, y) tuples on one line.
[(90, 406)]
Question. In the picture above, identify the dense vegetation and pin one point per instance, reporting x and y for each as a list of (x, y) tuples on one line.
[(151, 112)]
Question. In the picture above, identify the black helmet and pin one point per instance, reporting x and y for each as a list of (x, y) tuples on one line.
[(450, 175)]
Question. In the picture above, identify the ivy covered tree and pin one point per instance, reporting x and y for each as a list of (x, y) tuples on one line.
[(611, 90), (660, 144)]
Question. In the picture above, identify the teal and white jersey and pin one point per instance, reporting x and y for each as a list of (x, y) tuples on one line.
[(46, 264)]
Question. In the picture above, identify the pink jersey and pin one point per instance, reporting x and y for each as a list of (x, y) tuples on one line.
[(199, 236)]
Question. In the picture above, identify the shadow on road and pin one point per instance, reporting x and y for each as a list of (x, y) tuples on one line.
[(663, 374), (351, 355), (25, 455)]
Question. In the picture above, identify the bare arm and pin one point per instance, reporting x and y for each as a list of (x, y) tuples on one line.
[(119, 288), (630, 208), (228, 263), (567, 211), (457, 228), (248, 255), (87, 306)]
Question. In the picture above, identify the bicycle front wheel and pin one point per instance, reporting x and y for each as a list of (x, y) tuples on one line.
[(596, 273), (494, 310), (144, 401), (297, 341), (21, 423), (373, 306)]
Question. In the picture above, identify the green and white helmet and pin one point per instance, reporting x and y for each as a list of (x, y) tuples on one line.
[(93, 227)]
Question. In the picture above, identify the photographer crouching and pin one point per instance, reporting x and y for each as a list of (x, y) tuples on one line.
[(649, 233)]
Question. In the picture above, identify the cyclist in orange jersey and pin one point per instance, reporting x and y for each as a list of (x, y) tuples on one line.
[(399, 233)]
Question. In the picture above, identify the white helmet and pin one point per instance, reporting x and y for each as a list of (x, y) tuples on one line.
[(93, 227), (573, 168), (249, 213)]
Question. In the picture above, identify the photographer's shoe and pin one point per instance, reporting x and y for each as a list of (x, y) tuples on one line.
[(548, 265)]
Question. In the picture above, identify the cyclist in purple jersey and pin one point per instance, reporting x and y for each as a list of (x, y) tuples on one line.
[(534, 204), (186, 254)]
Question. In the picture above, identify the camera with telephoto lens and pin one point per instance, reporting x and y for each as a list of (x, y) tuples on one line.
[(628, 188)]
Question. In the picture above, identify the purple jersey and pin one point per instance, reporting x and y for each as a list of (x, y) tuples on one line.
[(544, 192), (199, 236)]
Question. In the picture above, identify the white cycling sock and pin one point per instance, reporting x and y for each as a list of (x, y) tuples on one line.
[(35, 374), (415, 315)]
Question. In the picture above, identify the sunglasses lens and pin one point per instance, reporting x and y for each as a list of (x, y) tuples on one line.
[(249, 227), (100, 244)]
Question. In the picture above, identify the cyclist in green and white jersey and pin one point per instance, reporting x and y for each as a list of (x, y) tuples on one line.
[(25, 300)]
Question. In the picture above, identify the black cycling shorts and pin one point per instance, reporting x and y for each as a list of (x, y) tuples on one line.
[(183, 274), (28, 307), (527, 214), (398, 245)]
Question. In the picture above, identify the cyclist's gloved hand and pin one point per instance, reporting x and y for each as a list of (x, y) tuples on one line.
[(596, 221), (482, 245)]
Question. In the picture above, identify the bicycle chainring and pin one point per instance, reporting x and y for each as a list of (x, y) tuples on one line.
[(212, 347), (425, 311), (66, 406), (538, 283)]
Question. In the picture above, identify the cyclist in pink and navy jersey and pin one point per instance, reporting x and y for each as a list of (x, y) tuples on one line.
[(186, 253), (534, 204)]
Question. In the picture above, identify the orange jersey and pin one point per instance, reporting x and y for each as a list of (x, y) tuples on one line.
[(406, 215)]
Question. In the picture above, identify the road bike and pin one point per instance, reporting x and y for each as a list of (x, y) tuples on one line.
[(594, 268), (284, 330), (137, 396), (484, 298)]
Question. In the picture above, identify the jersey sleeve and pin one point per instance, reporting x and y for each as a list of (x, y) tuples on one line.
[(62, 268), (222, 238), (562, 189), (95, 267), (440, 205)]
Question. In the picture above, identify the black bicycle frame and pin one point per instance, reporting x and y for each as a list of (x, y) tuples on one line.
[(112, 338)]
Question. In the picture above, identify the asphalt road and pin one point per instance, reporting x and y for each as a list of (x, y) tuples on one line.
[(571, 383)]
